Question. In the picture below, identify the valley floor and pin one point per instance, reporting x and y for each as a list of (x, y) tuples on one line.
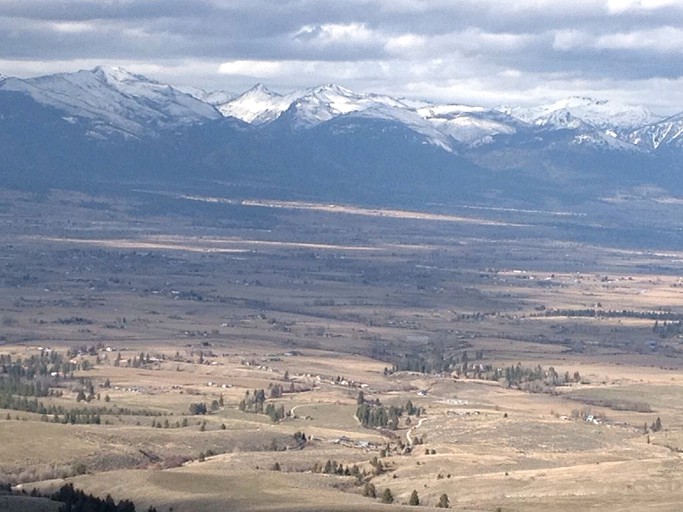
[(498, 360)]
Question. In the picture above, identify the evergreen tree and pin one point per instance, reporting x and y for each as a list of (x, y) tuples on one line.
[(414, 499), (444, 502), (369, 490), (387, 496)]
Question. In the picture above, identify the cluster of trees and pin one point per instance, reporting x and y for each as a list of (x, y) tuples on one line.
[(37, 387), (87, 391), (624, 313), (83, 416), (434, 362), (136, 362), (167, 424), (300, 438), (668, 329), (202, 408), (332, 467), (73, 320), (75, 500), (198, 408), (387, 496), (34, 377), (255, 402), (91, 350), (37, 365), (276, 413), (656, 425), (372, 414), (535, 379), (58, 413), (19, 368), (276, 391), (371, 492)]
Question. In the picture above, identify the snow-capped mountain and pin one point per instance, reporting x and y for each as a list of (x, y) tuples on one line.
[(441, 125), (470, 125), (320, 104), (667, 133), (406, 118), (605, 124), (113, 100), (601, 114), (325, 139), (257, 106), (214, 98), (311, 106), (600, 123)]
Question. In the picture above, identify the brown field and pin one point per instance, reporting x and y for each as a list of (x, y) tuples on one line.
[(323, 300)]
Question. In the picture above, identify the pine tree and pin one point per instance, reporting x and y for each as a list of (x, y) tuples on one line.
[(369, 490), (444, 502), (387, 496), (414, 499)]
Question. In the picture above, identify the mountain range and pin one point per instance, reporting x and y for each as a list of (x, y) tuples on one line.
[(107, 125)]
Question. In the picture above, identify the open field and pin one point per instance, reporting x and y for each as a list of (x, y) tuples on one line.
[(537, 364)]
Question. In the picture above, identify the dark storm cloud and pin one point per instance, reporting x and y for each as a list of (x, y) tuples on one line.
[(436, 46)]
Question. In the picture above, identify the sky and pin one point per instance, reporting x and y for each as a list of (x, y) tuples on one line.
[(484, 52)]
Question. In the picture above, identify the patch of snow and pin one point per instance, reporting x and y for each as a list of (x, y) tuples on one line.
[(214, 98), (657, 135)]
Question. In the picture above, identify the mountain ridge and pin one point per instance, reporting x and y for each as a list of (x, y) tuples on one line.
[(108, 124), (144, 104)]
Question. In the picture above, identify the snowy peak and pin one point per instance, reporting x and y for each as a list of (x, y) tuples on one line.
[(468, 124), (113, 100), (304, 108), (320, 104), (115, 75), (259, 88), (601, 114), (257, 106)]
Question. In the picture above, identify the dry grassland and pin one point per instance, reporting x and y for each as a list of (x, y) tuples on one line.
[(324, 301)]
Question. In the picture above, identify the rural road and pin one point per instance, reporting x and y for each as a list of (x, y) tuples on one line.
[(409, 434), (292, 411)]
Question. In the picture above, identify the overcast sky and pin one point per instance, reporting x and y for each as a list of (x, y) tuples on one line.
[(488, 52)]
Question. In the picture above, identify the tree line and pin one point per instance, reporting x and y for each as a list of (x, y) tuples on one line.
[(75, 500)]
